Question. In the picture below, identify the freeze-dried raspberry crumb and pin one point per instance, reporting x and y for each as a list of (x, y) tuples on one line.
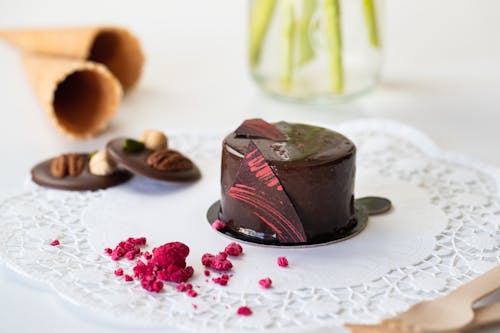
[(166, 263), (192, 293), (119, 272), (128, 248), (55, 242), (218, 225), (244, 311), (152, 284), (181, 287), (139, 241), (222, 280), (206, 272), (108, 251), (128, 278), (130, 255), (218, 262), (233, 249), (157, 286), (175, 274), (282, 261), (266, 283), (195, 306)]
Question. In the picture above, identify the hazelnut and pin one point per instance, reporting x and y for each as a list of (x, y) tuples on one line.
[(154, 140), (100, 165)]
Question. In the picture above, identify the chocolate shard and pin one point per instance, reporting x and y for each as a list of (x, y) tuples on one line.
[(259, 129), (256, 185)]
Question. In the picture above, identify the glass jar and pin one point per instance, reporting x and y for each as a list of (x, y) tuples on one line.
[(318, 51)]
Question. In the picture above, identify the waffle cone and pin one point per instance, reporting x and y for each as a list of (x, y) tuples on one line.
[(79, 96), (114, 47)]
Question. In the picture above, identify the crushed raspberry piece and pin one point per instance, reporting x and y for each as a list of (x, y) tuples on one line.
[(266, 283), (218, 262), (152, 284), (130, 255), (192, 293), (140, 241), (157, 286), (218, 225), (119, 272), (170, 254), (129, 248), (233, 249), (166, 263), (206, 272), (244, 311), (222, 280), (175, 274), (282, 261), (55, 242), (189, 286), (195, 306)]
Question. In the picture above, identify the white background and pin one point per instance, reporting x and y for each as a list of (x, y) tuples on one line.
[(441, 75)]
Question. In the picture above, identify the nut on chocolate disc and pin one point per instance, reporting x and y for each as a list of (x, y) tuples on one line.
[(84, 181), (137, 162)]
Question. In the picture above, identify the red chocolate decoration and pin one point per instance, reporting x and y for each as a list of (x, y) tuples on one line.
[(259, 129), (257, 186)]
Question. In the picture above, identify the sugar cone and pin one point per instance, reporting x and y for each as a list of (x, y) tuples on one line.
[(80, 97), (114, 47)]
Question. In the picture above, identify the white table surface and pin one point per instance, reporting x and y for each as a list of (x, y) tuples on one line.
[(441, 75)]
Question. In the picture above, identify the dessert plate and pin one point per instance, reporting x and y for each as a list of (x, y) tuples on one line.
[(443, 230)]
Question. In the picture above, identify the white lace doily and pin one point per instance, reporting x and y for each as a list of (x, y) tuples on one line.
[(443, 231)]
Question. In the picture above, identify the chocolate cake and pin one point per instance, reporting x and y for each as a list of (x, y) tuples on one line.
[(292, 183)]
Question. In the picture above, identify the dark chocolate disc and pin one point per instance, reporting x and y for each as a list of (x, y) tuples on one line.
[(85, 181), (375, 205), (135, 162)]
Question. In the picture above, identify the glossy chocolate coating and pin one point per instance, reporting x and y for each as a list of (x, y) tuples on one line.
[(85, 181), (136, 163), (316, 168)]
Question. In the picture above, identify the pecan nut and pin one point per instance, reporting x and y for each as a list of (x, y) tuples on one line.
[(58, 167), (76, 163), (67, 164), (169, 160)]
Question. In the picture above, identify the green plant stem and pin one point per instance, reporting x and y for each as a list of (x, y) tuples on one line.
[(287, 38), (334, 45), (305, 50), (261, 14), (371, 22)]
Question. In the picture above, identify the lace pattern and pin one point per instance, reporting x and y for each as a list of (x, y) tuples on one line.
[(464, 191)]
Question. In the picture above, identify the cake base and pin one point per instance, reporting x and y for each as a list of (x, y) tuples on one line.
[(363, 208)]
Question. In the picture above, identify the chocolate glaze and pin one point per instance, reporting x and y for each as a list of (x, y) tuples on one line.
[(136, 162), (85, 181), (316, 168)]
